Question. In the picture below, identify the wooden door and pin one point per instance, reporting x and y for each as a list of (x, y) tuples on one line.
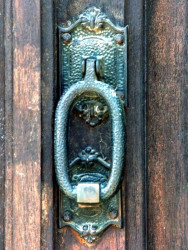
[(155, 181)]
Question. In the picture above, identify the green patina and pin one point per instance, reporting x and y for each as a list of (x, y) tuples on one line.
[(94, 70)]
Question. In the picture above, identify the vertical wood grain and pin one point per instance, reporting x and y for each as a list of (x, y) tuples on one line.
[(23, 147), (167, 125), (2, 131), (48, 97), (136, 119), (8, 125), (20, 125)]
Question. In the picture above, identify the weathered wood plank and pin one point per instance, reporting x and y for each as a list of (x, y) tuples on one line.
[(167, 125), (8, 124), (48, 96), (2, 131), (136, 118), (26, 162)]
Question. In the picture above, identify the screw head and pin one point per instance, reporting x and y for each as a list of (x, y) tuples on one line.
[(119, 38), (85, 227), (66, 37), (113, 214), (67, 216)]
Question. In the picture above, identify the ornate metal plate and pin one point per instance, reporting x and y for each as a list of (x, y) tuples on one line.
[(93, 35)]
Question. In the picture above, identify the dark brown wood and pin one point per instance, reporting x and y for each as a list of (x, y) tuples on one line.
[(48, 94), (23, 125), (136, 165), (2, 113), (68, 9), (167, 125)]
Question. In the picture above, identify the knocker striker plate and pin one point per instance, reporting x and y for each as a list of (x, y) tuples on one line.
[(92, 40)]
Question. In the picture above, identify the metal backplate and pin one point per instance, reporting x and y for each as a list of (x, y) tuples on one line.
[(92, 35), (90, 221)]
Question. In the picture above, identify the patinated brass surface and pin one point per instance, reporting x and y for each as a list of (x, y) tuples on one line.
[(90, 84), (93, 76), (94, 35)]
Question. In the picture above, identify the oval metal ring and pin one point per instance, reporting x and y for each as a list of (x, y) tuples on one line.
[(117, 135)]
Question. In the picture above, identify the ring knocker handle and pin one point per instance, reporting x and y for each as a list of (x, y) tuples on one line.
[(90, 84)]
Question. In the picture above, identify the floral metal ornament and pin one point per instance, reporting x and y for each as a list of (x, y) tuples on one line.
[(88, 157), (93, 18)]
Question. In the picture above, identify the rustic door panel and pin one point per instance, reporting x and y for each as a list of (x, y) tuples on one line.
[(167, 125), (155, 193)]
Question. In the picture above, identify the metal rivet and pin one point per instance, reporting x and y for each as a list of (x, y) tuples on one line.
[(94, 227), (85, 227), (113, 214), (119, 38), (66, 37), (67, 216)]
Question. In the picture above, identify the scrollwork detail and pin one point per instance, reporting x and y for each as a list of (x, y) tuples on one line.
[(92, 18), (88, 157)]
